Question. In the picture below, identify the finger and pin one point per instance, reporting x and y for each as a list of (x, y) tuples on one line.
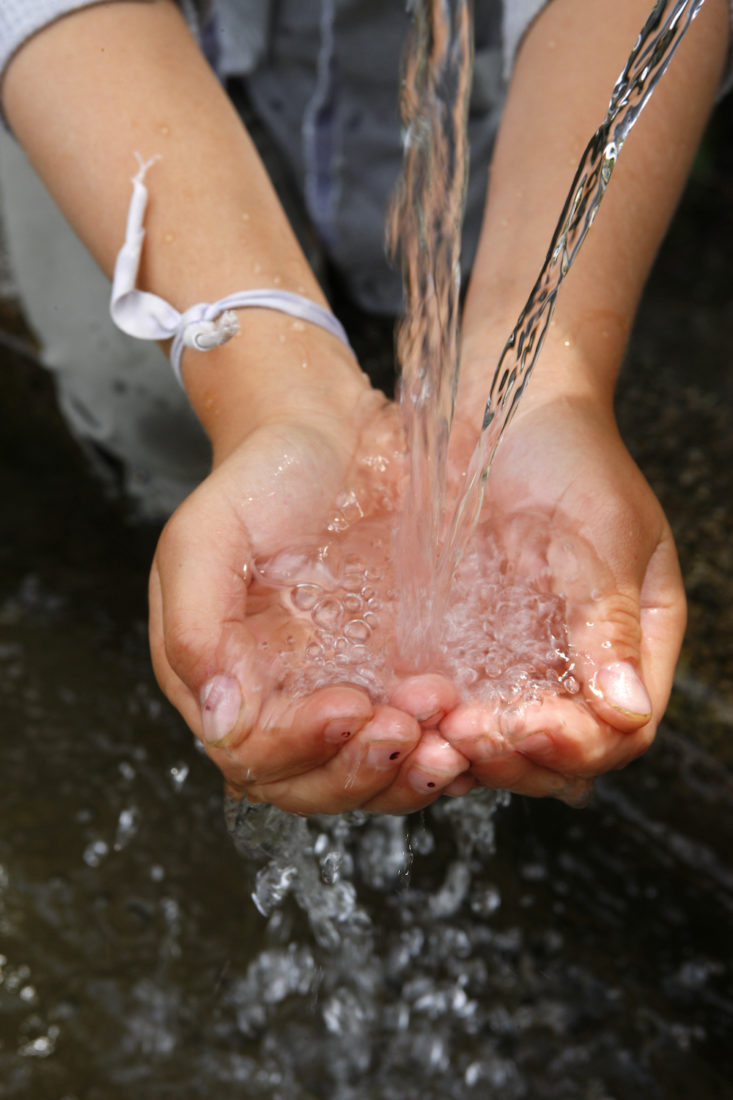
[(430, 768), (558, 735), (293, 737), (521, 775), (204, 655), (364, 767), (628, 640), (604, 625), (427, 697), (499, 764), (460, 786)]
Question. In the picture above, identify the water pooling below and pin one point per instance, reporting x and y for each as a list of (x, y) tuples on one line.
[(590, 955)]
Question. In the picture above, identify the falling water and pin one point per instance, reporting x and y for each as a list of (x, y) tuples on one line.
[(425, 227), (647, 63), (399, 583)]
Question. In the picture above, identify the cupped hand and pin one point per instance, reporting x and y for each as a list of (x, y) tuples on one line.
[(574, 512), (216, 644)]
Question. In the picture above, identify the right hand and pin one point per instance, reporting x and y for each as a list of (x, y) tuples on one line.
[(215, 653)]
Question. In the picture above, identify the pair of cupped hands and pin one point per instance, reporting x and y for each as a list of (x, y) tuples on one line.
[(563, 474)]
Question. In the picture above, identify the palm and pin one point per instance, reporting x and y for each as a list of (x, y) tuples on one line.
[(327, 749), (570, 507)]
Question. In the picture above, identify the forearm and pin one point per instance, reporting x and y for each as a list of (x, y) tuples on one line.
[(99, 85), (559, 94)]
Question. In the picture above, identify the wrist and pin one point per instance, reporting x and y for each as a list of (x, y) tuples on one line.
[(579, 358), (278, 369)]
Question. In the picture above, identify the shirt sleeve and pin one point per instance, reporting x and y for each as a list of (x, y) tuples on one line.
[(21, 19)]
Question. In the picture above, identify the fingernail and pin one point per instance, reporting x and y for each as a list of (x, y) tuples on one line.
[(341, 729), (621, 687), (432, 719), (381, 755), (221, 703), (422, 782)]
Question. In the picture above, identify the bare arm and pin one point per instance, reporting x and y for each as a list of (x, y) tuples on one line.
[(91, 89), (559, 94)]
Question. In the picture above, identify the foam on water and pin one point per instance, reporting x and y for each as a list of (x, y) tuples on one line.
[(503, 637)]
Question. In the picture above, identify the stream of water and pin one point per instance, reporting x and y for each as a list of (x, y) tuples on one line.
[(406, 579)]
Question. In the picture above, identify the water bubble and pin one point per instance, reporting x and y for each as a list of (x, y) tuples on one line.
[(357, 630), (327, 612), (306, 596)]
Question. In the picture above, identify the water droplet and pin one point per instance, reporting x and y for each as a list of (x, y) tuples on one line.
[(95, 852), (179, 775), (327, 613), (126, 827), (306, 596), (357, 630), (352, 603)]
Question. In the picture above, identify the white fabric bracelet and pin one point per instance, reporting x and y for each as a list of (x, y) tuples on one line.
[(205, 325)]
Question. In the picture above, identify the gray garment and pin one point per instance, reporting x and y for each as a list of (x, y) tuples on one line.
[(324, 78)]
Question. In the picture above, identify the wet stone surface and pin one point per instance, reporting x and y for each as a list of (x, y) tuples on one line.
[(585, 954)]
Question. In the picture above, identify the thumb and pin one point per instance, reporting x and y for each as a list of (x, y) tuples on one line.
[(625, 638), (204, 656)]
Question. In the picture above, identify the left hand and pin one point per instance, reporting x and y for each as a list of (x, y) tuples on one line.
[(597, 532)]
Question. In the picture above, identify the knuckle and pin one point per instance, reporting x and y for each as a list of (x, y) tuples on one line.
[(621, 624)]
